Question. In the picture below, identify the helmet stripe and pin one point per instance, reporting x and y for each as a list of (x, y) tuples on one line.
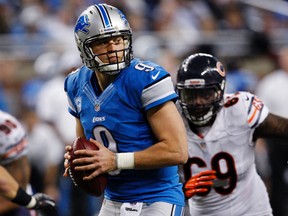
[(104, 15)]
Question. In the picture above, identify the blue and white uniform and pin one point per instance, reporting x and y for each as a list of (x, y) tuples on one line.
[(116, 118)]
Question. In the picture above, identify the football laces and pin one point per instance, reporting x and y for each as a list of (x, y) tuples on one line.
[(71, 176)]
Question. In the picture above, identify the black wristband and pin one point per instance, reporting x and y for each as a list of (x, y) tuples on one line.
[(21, 198)]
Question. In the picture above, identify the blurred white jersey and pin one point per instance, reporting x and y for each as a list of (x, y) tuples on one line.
[(228, 149), (52, 107), (13, 142)]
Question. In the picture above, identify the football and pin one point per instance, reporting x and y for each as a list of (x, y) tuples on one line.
[(93, 187)]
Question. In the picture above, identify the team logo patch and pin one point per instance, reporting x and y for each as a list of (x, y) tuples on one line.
[(220, 69), (82, 24), (97, 107), (78, 102)]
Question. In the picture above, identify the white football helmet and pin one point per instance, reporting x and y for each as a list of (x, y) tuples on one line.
[(98, 22)]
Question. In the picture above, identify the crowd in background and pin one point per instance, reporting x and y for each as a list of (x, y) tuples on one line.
[(37, 50)]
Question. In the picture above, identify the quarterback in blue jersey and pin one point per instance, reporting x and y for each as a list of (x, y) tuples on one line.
[(126, 107)]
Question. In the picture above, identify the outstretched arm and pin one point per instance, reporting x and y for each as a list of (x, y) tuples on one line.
[(10, 190), (8, 185), (272, 127), (19, 171)]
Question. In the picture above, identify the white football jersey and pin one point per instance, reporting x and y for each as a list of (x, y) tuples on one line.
[(13, 142), (228, 149)]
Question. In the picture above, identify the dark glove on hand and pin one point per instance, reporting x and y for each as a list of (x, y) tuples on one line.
[(199, 184), (45, 205)]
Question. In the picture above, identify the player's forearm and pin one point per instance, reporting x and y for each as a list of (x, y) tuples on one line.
[(24, 199), (159, 155), (8, 185), (8, 190), (273, 126), (20, 171), (156, 156)]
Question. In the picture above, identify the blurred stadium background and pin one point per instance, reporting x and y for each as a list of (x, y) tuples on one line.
[(246, 34)]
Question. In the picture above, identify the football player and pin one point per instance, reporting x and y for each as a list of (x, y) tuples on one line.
[(15, 172), (126, 107), (220, 175)]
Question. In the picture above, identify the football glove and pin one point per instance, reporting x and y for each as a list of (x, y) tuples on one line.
[(199, 184), (45, 205)]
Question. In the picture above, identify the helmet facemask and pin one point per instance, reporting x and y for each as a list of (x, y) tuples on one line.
[(200, 104), (110, 68)]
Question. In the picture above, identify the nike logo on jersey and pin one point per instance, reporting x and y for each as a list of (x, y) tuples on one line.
[(155, 76)]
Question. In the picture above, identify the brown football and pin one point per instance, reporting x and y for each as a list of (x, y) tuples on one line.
[(93, 187)]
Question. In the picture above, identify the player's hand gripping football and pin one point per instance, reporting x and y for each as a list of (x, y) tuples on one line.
[(45, 205), (89, 159), (199, 184)]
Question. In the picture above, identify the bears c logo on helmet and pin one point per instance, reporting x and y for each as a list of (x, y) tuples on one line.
[(220, 69)]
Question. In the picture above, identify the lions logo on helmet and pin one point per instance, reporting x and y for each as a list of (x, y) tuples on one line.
[(82, 24)]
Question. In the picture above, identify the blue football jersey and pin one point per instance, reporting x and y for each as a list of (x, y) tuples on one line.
[(116, 118)]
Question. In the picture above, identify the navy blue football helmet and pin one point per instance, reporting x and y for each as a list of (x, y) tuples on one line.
[(200, 85)]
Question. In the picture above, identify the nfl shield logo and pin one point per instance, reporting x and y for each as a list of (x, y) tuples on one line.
[(97, 107), (78, 102)]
